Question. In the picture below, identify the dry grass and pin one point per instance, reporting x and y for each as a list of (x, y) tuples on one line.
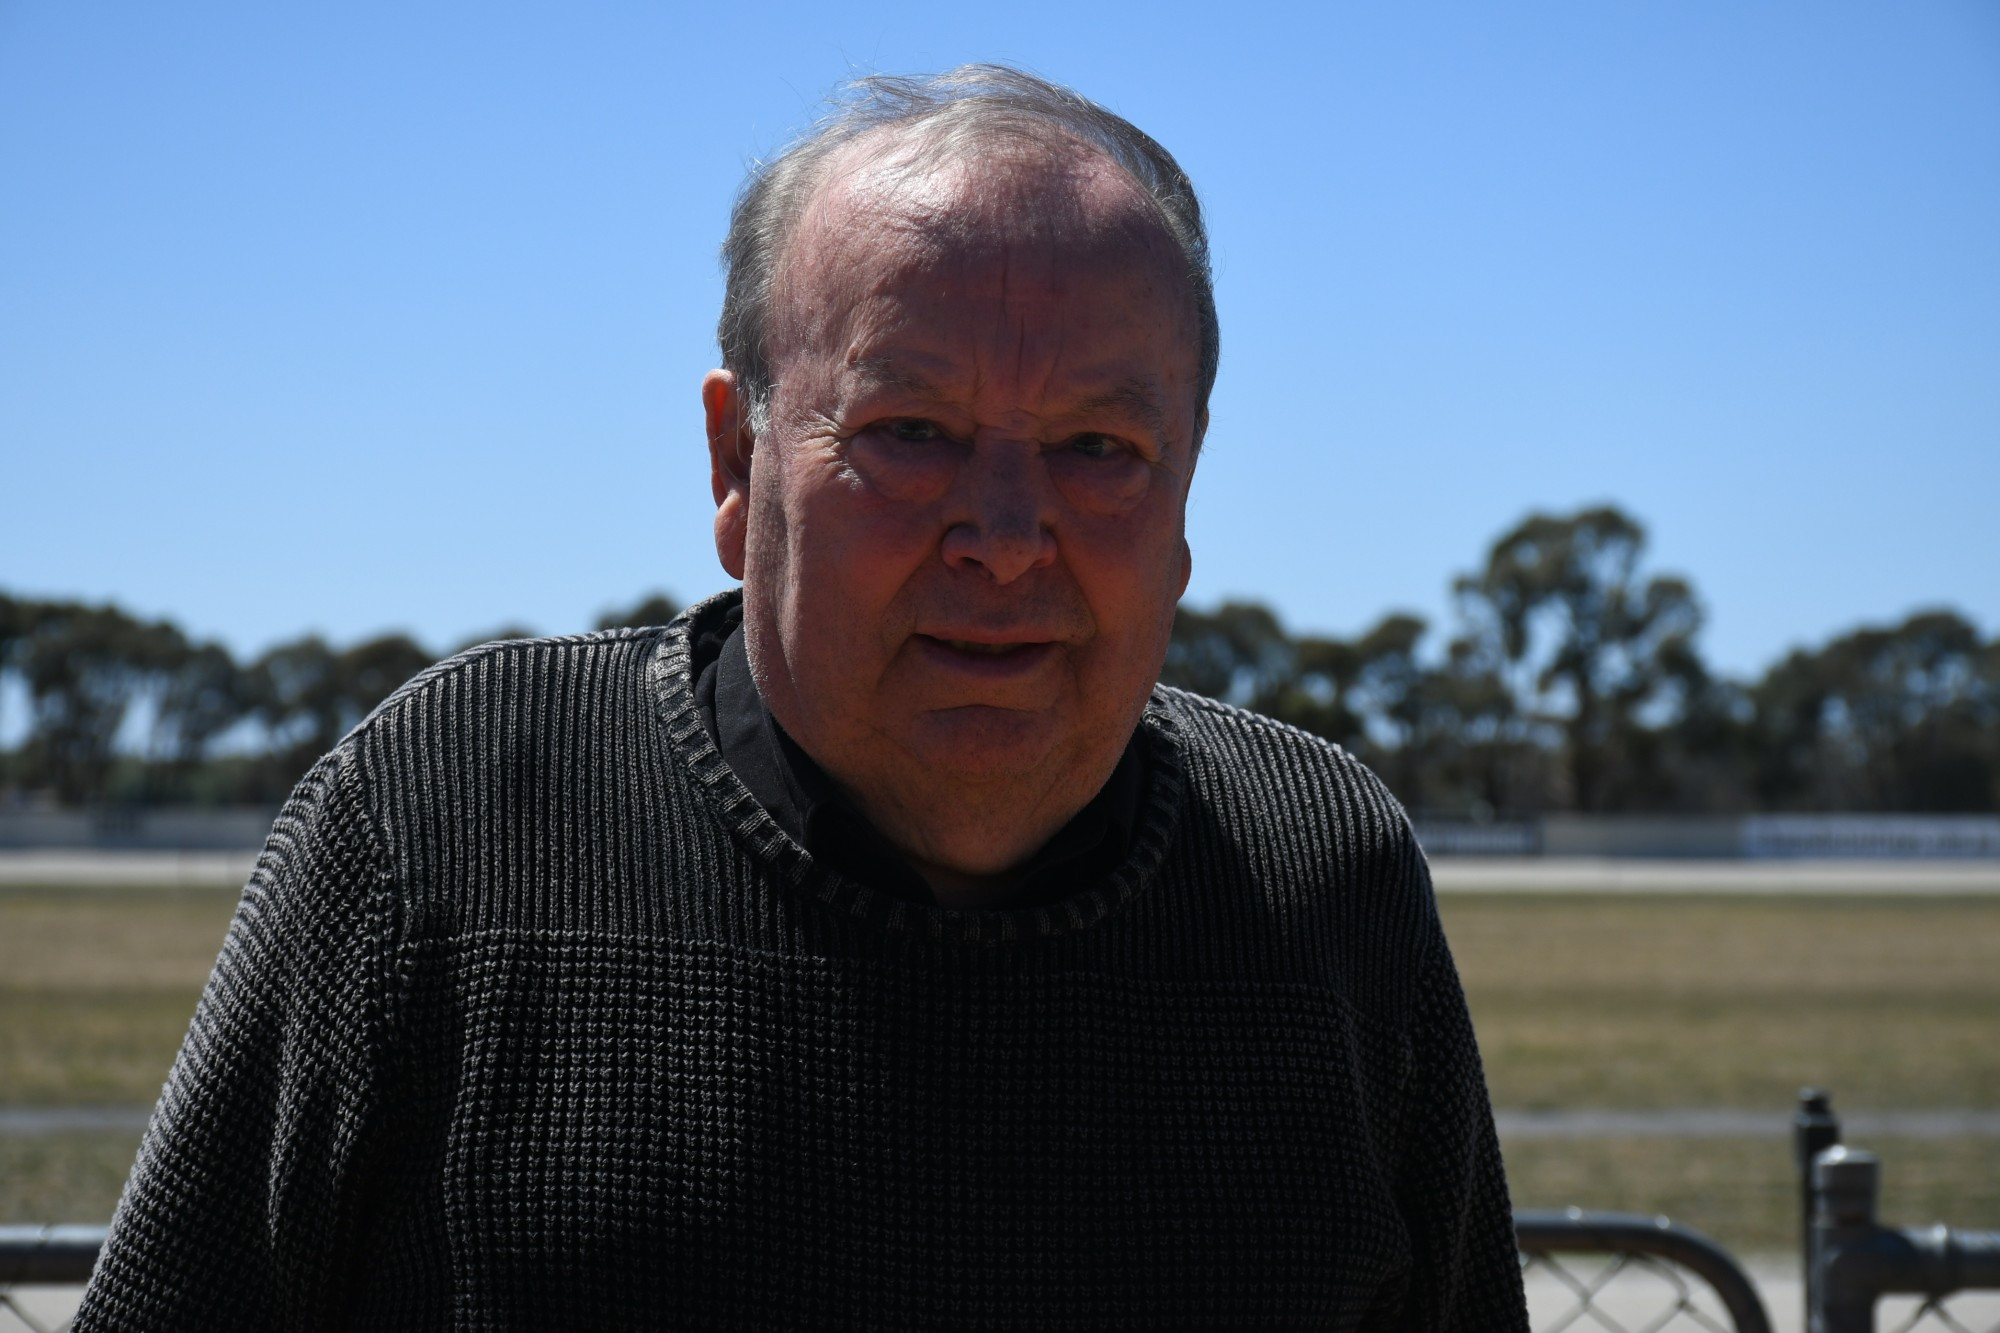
[(1614, 1002), (97, 986), (1744, 1192), (1737, 1002), (64, 1177), (1662, 1002)]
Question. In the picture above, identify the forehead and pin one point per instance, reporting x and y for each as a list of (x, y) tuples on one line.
[(966, 187), (899, 234)]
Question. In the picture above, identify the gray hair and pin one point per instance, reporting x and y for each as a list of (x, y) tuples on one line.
[(961, 107)]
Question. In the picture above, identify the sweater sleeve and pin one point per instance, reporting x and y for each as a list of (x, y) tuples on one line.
[(244, 1206), (1453, 1189)]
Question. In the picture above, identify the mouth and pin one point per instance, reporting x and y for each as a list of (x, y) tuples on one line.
[(987, 649), (987, 659)]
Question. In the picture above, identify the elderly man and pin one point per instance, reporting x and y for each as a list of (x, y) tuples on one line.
[(875, 946)]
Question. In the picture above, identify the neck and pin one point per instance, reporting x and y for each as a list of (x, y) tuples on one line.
[(969, 841), (957, 888)]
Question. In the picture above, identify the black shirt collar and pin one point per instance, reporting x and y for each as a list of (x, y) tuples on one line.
[(810, 808)]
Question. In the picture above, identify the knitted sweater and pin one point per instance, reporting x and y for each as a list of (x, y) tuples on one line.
[(530, 1017)]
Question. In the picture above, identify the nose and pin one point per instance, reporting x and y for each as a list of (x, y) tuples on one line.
[(1002, 513)]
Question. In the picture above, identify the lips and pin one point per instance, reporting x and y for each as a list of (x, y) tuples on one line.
[(986, 649), (985, 658)]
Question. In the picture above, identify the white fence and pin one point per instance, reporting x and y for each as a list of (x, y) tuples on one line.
[(1752, 837), (1755, 837)]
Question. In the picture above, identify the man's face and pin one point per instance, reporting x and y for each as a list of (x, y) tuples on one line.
[(961, 537)]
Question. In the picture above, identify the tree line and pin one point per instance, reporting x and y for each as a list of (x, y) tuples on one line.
[(1570, 681), (124, 710)]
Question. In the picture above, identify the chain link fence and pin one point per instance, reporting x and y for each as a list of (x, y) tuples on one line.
[(33, 1315), (1591, 1271), (1616, 1271), (1584, 1271), (1934, 1315)]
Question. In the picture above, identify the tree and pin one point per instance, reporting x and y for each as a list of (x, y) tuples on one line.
[(372, 670), (495, 635), (653, 609), (1905, 717), (1468, 750), (1238, 653), (18, 619), (1562, 609), (308, 696), (84, 666), (294, 691), (1354, 692), (204, 696)]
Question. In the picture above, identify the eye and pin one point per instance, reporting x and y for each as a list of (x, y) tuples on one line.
[(914, 430), (1090, 444)]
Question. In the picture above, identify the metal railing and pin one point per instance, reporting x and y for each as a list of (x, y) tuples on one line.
[(1655, 1271), (1657, 1275), (57, 1256), (1653, 1274), (1852, 1261)]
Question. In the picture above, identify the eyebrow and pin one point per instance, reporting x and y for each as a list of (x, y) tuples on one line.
[(1135, 397), (881, 372)]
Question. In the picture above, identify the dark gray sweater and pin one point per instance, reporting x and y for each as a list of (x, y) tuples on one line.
[(531, 1018)]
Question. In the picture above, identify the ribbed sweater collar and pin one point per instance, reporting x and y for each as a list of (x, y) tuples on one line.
[(672, 674)]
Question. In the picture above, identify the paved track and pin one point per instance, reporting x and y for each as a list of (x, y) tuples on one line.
[(1634, 1302), (1588, 874), (1708, 1123), (143, 869), (1586, 1123), (1452, 874)]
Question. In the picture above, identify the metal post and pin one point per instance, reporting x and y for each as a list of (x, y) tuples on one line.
[(1814, 1129), (1846, 1182)]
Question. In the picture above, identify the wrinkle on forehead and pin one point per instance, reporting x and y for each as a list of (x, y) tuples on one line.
[(894, 205), (1055, 187)]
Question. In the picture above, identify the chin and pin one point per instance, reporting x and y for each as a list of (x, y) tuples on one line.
[(987, 744)]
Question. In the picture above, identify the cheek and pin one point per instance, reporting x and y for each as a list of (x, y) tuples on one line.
[(1102, 486), (1130, 574), (904, 471), (843, 548)]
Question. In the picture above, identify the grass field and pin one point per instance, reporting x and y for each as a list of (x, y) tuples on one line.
[(1619, 1001), (1654, 1002)]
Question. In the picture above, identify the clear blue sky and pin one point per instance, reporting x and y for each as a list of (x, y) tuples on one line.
[(366, 316)]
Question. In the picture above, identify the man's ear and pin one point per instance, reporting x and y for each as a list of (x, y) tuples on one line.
[(730, 445), (1187, 552)]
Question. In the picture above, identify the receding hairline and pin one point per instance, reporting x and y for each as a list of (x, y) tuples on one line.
[(900, 153), (886, 161), (972, 112)]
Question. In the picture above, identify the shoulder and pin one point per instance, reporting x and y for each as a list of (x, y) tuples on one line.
[(513, 699), (510, 764), (1316, 847), (508, 670), (1285, 769)]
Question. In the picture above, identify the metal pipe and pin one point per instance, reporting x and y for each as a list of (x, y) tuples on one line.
[(1577, 1232), (51, 1254)]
